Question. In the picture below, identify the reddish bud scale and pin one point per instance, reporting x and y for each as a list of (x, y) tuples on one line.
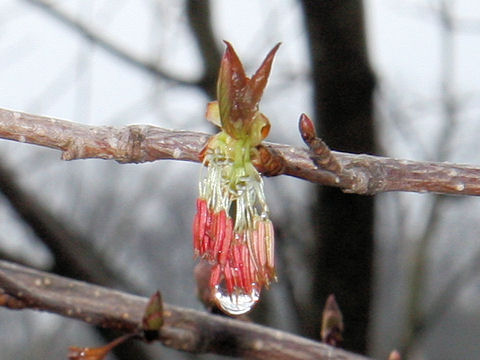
[(307, 129)]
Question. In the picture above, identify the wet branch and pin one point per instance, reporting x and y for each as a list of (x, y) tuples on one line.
[(361, 174), (183, 329)]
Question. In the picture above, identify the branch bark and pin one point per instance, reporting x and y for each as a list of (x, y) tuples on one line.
[(142, 143), (74, 255), (183, 329)]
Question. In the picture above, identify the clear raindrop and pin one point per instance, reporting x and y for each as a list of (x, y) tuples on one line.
[(237, 303)]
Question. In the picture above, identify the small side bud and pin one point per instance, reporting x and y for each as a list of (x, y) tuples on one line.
[(322, 156), (153, 317), (268, 161), (332, 322), (307, 129)]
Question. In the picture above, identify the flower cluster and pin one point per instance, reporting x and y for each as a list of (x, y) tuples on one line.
[(232, 229)]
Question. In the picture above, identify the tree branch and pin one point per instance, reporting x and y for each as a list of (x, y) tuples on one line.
[(183, 329), (74, 255), (107, 45), (142, 143), (200, 23)]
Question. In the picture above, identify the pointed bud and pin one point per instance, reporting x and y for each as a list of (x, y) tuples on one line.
[(239, 96), (322, 155), (153, 316), (259, 80), (307, 129), (332, 322), (231, 85)]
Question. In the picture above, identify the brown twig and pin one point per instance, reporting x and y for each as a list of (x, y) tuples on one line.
[(183, 329), (365, 174), (199, 19), (108, 45), (73, 254)]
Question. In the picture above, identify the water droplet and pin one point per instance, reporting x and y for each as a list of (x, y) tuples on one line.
[(237, 303)]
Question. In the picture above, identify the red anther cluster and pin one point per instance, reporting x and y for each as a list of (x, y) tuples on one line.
[(243, 260)]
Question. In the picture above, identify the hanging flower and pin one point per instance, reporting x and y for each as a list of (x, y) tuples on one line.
[(232, 229)]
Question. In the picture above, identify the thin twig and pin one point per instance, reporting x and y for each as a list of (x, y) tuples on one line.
[(183, 329), (200, 22), (365, 174), (107, 44)]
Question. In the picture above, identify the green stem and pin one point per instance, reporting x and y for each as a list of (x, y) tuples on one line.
[(241, 153)]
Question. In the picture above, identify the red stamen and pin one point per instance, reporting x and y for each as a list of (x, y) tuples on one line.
[(262, 255), (235, 275), (238, 265), (213, 236), (203, 215), (220, 233), (215, 276), (253, 245), (246, 277), (252, 266), (269, 233), (225, 249), (204, 245), (199, 225), (228, 278), (207, 238), (196, 238)]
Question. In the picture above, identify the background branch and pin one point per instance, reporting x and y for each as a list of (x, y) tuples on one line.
[(184, 329), (107, 45), (73, 254), (142, 143), (200, 23)]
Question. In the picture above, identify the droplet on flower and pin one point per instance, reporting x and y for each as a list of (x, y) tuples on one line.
[(238, 302), (231, 230)]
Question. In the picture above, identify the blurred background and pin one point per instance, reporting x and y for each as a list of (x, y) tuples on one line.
[(395, 78)]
